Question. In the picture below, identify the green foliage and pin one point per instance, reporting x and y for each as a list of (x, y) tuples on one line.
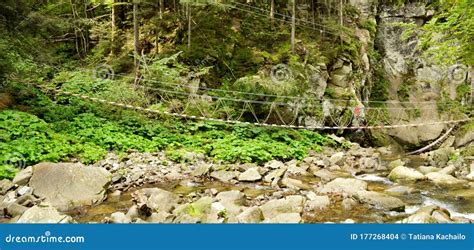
[(73, 131), (404, 91), (370, 25), (447, 37), (7, 172)]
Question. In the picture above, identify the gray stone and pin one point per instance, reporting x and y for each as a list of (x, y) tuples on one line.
[(419, 218), (5, 185), (443, 179), (160, 217), (14, 209), (294, 183), (274, 175), (343, 185), (441, 217), (284, 218), (295, 170), (198, 211), (381, 201), (119, 218), (232, 201), (223, 175), (340, 73), (232, 195), (325, 175), (23, 177), (348, 204), (400, 190), (448, 170), (440, 156), (201, 170), (336, 158), (401, 174), (464, 137), (312, 196), (321, 202), (24, 190), (43, 214), (133, 212), (470, 176), (251, 174), (290, 204), (428, 169), (156, 199), (274, 164), (396, 163), (115, 195), (250, 215), (66, 185)]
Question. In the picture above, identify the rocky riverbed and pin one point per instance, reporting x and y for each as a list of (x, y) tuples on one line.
[(356, 185)]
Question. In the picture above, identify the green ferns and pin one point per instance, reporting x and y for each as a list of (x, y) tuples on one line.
[(26, 140)]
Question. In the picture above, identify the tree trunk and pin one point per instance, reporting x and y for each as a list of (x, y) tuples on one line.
[(341, 21), (136, 61), (161, 8), (189, 25), (272, 10), (114, 27), (135, 35), (293, 24)]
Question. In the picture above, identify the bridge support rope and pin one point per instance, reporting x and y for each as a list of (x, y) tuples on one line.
[(264, 124)]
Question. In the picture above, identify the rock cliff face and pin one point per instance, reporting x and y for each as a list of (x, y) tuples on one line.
[(411, 78)]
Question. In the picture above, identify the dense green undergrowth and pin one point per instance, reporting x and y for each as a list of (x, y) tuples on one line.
[(69, 128)]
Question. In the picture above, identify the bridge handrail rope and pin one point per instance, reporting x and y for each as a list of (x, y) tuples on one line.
[(268, 102), (268, 95), (264, 124)]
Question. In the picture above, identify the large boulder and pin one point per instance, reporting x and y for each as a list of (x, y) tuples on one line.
[(402, 174), (250, 215), (223, 175), (294, 183), (69, 185), (317, 203), (5, 185), (198, 211), (155, 200), (250, 174), (343, 185), (43, 214), (443, 179), (284, 218), (275, 175), (290, 205), (232, 201), (23, 177), (381, 201), (441, 156), (465, 136), (119, 218), (419, 218)]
